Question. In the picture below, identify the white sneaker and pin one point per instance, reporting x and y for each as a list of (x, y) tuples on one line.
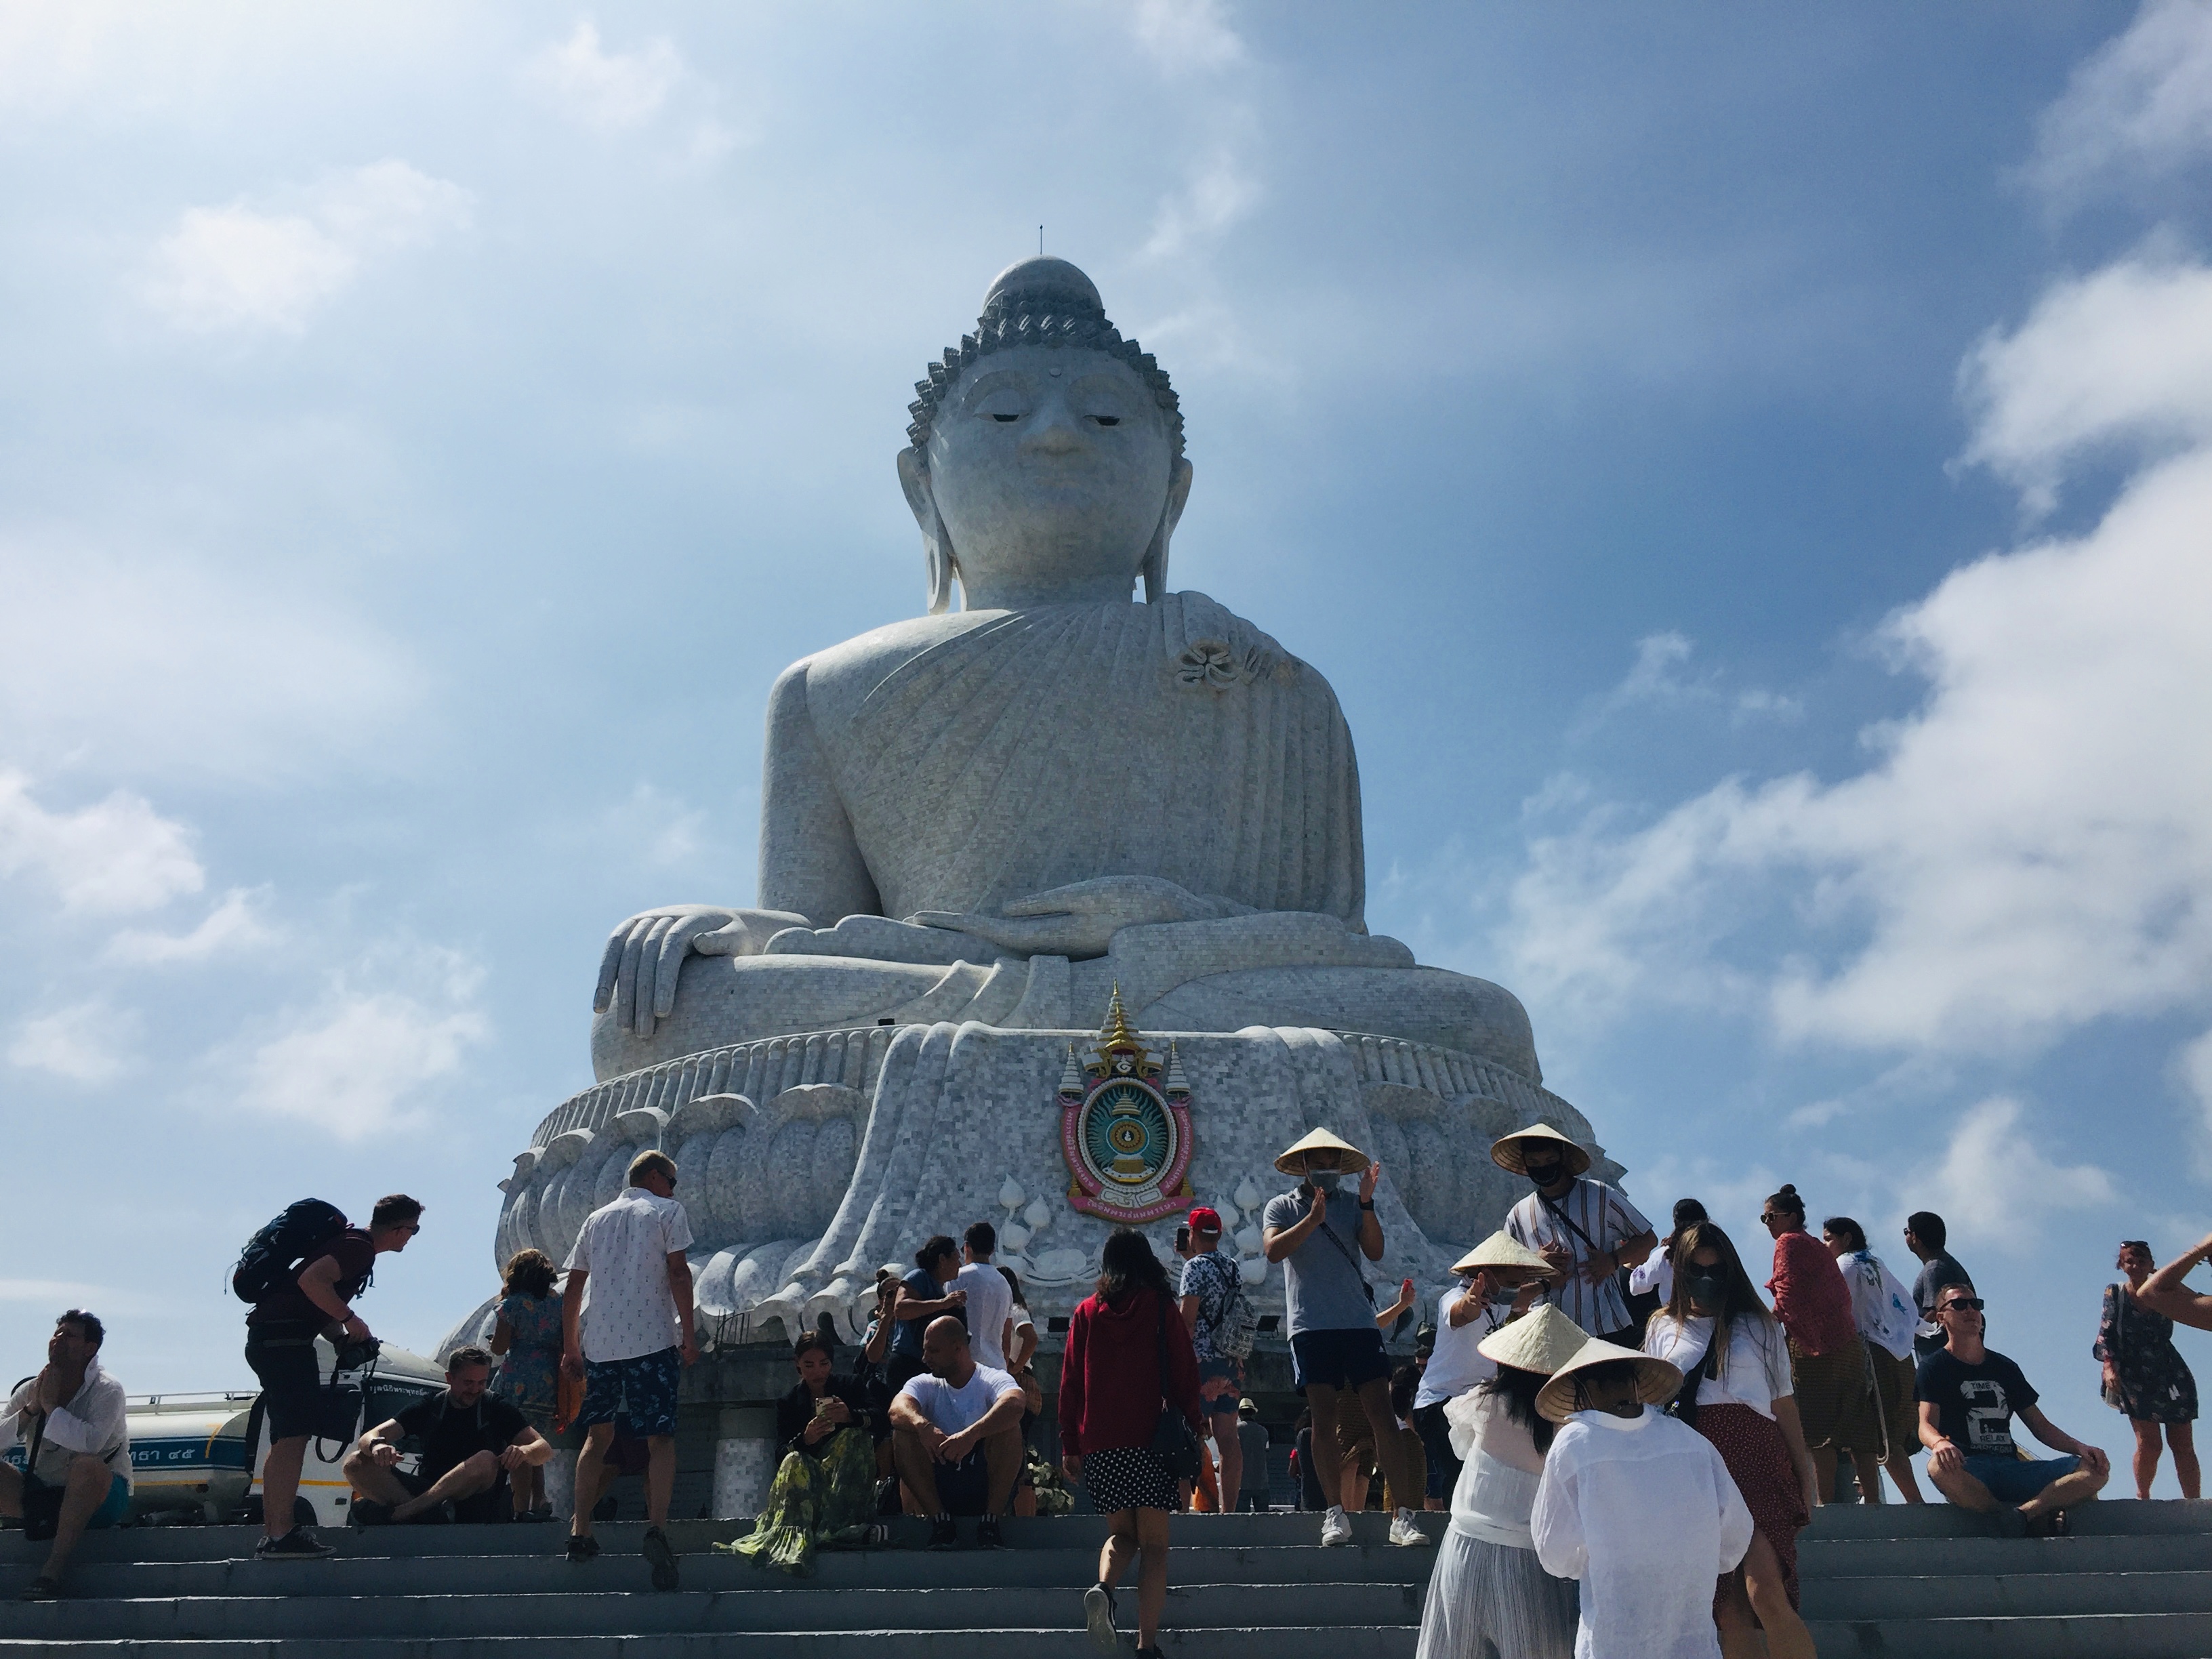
[(1336, 1526), (1406, 1532)]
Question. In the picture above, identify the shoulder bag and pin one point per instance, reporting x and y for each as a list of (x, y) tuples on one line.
[(1173, 1442)]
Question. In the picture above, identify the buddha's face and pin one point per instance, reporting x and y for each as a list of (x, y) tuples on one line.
[(1052, 470)]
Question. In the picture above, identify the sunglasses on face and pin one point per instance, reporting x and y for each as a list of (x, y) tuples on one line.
[(1968, 1304)]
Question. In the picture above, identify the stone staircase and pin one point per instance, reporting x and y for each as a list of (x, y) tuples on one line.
[(2134, 1582)]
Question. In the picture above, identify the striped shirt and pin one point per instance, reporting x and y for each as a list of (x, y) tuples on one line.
[(1608, 1219)]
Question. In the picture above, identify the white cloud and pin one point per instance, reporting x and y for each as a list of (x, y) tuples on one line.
[(199, 670), (2143, 103), (117, 856), (233, 925), (2121, 356), (605, 90), (1657, 678), (1995, 1184), (2193, 1065), (1218, 191), (2031, 851), (358, 1062), (239, 267), (1184, 35), (90, 1043)]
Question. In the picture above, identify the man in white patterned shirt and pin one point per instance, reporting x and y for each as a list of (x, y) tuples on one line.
[(629, 1342), (1586, 1229)]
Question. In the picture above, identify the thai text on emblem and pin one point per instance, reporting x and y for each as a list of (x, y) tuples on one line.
[(1125, 1126)]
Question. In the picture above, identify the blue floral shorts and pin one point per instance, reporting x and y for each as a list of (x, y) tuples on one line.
[(641, 1391)]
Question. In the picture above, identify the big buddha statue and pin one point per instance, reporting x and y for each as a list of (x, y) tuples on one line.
[(1073, 778)]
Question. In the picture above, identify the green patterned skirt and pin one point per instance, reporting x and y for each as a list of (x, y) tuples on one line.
[(816, 1503)]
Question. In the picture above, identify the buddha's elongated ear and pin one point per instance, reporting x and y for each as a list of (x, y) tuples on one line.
[(936, 544), (1155, 568)]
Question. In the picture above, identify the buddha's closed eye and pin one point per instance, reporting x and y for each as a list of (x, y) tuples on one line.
[(1002, 418), (1107, 420)]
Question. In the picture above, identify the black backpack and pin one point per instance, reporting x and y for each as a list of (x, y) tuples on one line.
[(277, 1252)]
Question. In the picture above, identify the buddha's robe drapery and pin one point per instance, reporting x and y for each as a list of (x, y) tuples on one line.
[(1029, 750)]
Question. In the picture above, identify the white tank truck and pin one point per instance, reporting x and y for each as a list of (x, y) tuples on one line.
[(190, 1453)]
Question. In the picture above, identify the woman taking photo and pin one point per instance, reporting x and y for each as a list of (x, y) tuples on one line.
[(824, 1491), (1128, 1360), (2145, 1380), (1737, 1392), (1489, 1595), (527, 1339)]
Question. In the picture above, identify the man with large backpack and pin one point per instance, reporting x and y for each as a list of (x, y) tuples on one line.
[(301, 1272), (1220, 1318)]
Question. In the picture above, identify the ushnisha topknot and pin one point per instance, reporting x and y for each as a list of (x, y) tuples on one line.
[(1041, 301)]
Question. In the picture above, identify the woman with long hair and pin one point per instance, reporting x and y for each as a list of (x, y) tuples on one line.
[(1738, 1393), (2146, 1380), (1488, 1593), (1127, 1362), (824, 1491), (527, 1339)]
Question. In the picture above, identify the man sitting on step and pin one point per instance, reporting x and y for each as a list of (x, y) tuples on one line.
[(956, 1436), (1968, 1397), (470, 1441)]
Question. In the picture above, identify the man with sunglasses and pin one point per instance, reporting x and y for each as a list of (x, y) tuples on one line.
[(629, 1344), (1968, 1397)]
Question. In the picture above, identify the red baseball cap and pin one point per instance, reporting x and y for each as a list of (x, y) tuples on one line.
[(1205, 1219)]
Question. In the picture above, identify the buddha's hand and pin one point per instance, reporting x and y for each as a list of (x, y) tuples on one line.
[(644, 955), (1081, 919)]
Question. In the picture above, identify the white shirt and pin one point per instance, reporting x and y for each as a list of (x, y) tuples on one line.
[(1655, 1272), (1881, 1305), (1756, 1371), (990, 1298), (93, 1424), (1609, 1221), (623, 1248), (1456, 1365), (1642, 1510), (954, 1409), (1498, 1478), (1019, 1317)]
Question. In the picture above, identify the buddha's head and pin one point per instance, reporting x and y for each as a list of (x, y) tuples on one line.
[(1046, 460)]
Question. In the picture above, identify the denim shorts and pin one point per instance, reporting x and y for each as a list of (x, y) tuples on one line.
[(1337, 1360), (2014, 1480), (640, 1391)]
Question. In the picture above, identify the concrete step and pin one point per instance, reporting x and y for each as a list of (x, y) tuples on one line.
[(615, 1613), (1261, 1641), (2124, 1516), (2110, 1636), (1868, 1558), (1988, 1595), (549, 1573)]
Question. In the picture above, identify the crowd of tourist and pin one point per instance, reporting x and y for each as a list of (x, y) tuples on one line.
[(1628, 1435)]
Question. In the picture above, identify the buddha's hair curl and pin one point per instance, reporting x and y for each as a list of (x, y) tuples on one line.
[(1004, 325)]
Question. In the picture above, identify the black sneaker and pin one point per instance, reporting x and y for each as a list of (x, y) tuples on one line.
[(367, 1512), (987, 1534), (582, 1547), (299, 1544), (2007, 1521), (944, 1533), (41, 1589), (1098, 1619), (663, 1557)]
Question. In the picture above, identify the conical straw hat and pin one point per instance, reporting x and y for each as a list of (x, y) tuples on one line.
[(1507, 1152), (1293, 1160), (1501, 1249), (1540, 1340), (1656, 1381)]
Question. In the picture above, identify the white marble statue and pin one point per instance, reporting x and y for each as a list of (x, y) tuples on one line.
[(995, 813)]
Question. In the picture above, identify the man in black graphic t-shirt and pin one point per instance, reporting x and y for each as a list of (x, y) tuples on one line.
[(1968, 1397), (470, 1441)]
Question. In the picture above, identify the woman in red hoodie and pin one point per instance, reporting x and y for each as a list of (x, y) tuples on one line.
[(1827, 1356), (1110, 1401)]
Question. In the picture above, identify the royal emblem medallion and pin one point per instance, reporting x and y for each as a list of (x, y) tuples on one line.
[(1125, 1126)]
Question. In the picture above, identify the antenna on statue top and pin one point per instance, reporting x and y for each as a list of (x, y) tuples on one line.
[(1040, 241)]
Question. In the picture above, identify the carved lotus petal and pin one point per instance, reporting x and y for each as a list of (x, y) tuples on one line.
[(1208, 663)]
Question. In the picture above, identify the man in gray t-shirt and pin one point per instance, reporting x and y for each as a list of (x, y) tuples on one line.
[(1335, 1343)]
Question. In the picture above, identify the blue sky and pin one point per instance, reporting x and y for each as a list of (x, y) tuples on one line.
[(1747, 474)]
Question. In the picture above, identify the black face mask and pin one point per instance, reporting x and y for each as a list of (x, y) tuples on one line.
[(1706, 1290), (1544, 1175)]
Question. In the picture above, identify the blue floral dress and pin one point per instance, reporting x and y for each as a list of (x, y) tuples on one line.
[(529, 1373)]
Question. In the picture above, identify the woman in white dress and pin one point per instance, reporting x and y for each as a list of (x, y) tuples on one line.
[(1488, 1598)]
